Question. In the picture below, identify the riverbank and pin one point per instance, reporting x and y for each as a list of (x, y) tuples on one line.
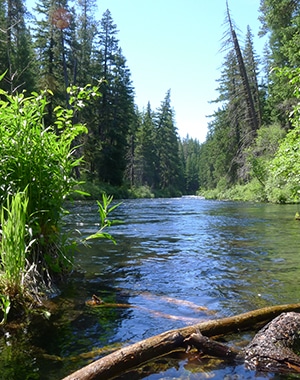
[(95, 189), (253, 191)]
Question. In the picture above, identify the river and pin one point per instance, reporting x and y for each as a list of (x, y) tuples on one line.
[(177, 261)]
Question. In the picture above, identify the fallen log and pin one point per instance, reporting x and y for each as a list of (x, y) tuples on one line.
[(136, 354)]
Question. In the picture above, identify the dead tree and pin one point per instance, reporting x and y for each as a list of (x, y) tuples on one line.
[(243, 72)]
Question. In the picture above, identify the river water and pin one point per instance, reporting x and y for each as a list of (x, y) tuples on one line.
[(177, 261)]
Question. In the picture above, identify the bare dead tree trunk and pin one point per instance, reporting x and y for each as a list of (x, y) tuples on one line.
[(247, 90)]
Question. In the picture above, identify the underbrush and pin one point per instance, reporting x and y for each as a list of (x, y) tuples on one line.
[(92, 190), (253, 191), (141, 192), (95, 189)]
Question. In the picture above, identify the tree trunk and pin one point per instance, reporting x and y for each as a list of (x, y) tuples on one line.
[(134, 355), (247, 90)]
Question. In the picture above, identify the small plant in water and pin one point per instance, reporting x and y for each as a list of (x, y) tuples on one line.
[(104, 211)]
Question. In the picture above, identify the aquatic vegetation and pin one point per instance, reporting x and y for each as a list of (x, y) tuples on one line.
[(104, 211)]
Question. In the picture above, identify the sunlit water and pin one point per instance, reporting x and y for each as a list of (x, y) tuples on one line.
[(172, 257)]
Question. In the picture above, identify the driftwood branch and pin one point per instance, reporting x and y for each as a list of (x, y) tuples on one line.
[(212, 347), (134, 355)]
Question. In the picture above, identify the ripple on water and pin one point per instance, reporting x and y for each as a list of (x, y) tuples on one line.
[(172, 256)]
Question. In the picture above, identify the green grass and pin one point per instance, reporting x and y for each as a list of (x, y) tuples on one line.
[(13, 246)]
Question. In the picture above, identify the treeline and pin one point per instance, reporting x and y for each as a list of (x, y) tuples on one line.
[(64, 45), (251, 150), (128, 148)]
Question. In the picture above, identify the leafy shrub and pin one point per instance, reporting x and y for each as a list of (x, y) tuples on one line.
[(141, 192), (41, 160)]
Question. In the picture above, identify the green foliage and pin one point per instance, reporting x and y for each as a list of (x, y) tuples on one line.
[(16, 50), (263, 150), (155, 157), (41, 160), (37, 167), (190, 155), (145, 160), (252, 191), (141, 192), (285, 167), (280, 19), (168, 170), (113, 113), (5, 305), (68, 45), (104, 210), (13, 242), (37, 158), (95, 189)]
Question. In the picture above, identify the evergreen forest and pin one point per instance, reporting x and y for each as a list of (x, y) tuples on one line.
[(251, 149)]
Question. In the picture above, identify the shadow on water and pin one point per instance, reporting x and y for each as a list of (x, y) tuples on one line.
[(177, 261)]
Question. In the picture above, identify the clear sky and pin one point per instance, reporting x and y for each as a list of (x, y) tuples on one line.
[(175, 44)]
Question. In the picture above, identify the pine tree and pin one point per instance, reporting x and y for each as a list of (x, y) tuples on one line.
[(52, 43), (115, 110), (248, 96), (85, 34), (145, 152), (3, 43), (169, 173), (251, 66), (190, 155)]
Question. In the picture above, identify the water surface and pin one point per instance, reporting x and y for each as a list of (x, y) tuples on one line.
[(177, 261)]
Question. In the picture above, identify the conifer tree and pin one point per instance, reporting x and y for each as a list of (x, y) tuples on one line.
[(85, 33), (248, 96), (52, 43), (145, 152), (251, 66), (190, 155), (169, 173), (17, 57), (235, 124), (115, 109), (3, 44)]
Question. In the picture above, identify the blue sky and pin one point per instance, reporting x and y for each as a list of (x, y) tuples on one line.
[(175, 44)]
